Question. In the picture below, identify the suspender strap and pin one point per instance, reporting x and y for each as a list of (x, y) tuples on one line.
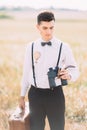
[(59, 54), (33, 68)]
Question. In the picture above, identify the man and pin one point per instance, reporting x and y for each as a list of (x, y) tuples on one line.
[(46, 99)]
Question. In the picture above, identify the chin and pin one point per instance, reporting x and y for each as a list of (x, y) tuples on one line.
[(48, 38)]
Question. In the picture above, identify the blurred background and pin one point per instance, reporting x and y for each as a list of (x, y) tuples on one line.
[(17, 28)]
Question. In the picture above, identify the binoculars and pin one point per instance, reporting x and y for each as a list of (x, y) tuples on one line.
[(52, 74)]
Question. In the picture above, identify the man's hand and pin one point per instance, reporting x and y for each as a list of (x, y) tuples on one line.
[(22, 103), (63, 74)]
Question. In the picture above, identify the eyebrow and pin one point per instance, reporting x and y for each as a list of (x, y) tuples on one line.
[(48, 27)]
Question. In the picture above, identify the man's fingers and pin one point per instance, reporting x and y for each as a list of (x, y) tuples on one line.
[(63, 74)]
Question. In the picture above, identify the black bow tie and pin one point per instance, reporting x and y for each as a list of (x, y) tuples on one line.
[(46, 43)]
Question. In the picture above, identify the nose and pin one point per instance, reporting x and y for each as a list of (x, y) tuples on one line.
[(48, 31)]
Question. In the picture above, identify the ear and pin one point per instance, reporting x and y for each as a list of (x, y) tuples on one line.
[(37, 26)]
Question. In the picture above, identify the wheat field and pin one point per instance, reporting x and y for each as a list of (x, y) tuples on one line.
[(15, 33)]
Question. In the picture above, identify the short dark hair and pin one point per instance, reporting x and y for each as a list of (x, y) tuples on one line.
[(45, 16)]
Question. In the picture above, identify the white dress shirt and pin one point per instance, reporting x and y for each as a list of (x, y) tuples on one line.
[(44, 58)]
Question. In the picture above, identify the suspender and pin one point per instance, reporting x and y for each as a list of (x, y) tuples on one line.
[(59, 54), (33, 68)]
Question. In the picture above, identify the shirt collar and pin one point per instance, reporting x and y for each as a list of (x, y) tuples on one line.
[(52, 40)]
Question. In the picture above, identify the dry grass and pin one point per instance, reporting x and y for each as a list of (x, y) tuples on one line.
[(14, 34)]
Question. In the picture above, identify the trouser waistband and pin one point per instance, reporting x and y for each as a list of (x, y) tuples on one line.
[(46, 89)]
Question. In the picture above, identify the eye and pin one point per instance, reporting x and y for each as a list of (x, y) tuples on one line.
[(44, 28), (51, 27)]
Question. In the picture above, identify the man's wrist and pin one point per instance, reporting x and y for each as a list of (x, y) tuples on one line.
[(22, 97), (69, 78)]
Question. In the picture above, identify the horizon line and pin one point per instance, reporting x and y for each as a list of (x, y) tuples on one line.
[(29, 7)]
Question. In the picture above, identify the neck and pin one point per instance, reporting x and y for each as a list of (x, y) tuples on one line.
[(46, 40)]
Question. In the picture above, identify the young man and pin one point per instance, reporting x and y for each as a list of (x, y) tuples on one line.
[(46, 99)]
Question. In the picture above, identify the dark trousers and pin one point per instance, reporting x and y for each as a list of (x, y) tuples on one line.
[(46, 102)]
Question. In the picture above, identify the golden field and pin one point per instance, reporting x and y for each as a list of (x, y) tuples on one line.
[(15, 33)]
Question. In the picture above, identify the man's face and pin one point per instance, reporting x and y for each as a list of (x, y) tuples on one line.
[(46, 29)]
